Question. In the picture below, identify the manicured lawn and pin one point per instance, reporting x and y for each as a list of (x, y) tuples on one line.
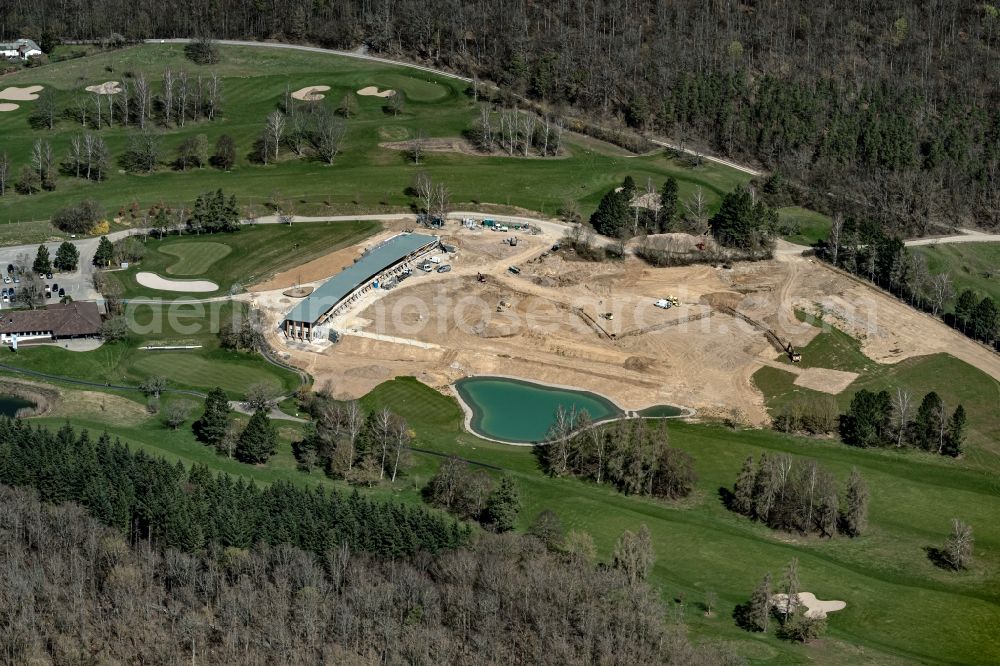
[(811, 227), (973, 266), (899, 604), (193, 258), (126, 364), (365, 177), (242, 257)]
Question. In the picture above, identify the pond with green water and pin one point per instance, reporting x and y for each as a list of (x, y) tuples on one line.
[(513, 410)]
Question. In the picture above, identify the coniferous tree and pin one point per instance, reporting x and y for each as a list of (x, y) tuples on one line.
[(986, 320), (612, 215), (929, 425), (258, 441), (503, 505), (954, 439), (758, 609), (103, 254), (67, 257), (965, 307), (42, 263), (743, 490), (744, 223), (868, 420), (667, 212), (211, 427)]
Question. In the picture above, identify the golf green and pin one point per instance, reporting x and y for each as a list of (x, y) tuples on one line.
[(512, 410)]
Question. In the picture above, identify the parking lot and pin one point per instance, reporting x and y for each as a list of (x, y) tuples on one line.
[(77, 284)]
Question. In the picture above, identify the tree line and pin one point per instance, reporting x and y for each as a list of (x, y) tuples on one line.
[(634, 455), (473, 495), (73, 586), (892, 105), (799, 495), (890, 421), (149, 498)]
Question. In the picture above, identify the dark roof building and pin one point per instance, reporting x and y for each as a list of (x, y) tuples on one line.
[(63, 320)]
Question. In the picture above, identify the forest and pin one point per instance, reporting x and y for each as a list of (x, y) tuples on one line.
[(73, 590), (891, 108)]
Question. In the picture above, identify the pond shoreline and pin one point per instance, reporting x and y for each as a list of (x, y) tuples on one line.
[(470, 414)]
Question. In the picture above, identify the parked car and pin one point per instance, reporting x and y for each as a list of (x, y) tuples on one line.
[(17, 280), (6, 279), (435, 260), (62, 292), (48, 276), (427, 268), (444, 268), (55, 286)]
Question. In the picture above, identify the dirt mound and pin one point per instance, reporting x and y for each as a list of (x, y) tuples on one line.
[(638, 363)]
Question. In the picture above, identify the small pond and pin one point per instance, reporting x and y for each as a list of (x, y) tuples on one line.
[(513, 410), (10, 405)]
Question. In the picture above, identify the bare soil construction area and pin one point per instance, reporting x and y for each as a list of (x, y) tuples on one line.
[(594, 326)]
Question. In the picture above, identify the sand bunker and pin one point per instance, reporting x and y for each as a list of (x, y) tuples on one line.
[(154, 281), (310, 93), (106, 88), (372, 91), (15, 94), (7, 106), (815, 608)]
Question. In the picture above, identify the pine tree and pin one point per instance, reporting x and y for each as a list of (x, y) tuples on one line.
[(667, 212), (965, 306), (790, 588), (211, 427), (67, 257), (104, 253), (503, 505), (854, 514), (743, 223), (612, 214), (954, 438), (986, 320), (42, 263), (928, 426), (258, 441)]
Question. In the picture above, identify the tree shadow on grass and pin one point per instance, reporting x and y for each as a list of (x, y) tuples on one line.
[(938, 557), (727, 498)]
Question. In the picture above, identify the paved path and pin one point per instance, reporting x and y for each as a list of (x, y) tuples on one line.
[(967, 236)]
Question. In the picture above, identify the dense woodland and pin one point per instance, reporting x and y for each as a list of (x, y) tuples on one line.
[(893, 105), (171, 506), (70, 587)]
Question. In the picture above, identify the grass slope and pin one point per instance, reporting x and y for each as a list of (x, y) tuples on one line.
[(194, 258), (366, 177), (973, 266), (125, 363)]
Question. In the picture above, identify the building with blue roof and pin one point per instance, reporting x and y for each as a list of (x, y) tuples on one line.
[(377, 263)]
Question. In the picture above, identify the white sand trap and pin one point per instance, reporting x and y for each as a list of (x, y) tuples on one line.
[(154, 281), (815, 608), (310, 93), (7, 106), (372, 91), (106, 88), (15, 94)]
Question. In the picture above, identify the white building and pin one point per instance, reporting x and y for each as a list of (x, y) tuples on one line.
[(20, 49)]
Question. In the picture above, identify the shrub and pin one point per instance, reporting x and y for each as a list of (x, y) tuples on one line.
[(78, 219)]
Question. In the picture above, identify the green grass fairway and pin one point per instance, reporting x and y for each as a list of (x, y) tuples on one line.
[(973, 266), (899, 605), (812, 226), (124, 363), (251, 254), (365, 178), (194, 258)]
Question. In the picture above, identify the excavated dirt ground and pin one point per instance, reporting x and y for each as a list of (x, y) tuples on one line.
[(440, 327)]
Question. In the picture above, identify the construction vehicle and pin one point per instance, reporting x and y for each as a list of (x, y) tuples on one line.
[(502, 305), (610, 316), (480, 277), (793, 356), (514, 269), (663, 304)]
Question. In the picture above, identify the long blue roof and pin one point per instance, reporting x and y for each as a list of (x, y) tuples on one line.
[(343, 283)]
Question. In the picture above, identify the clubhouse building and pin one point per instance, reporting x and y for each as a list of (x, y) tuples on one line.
[(78, 319), (378, 264)]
